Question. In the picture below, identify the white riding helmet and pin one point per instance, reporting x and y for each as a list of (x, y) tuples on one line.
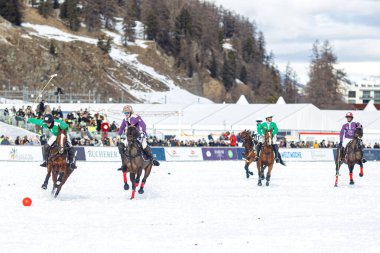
[(268, 115)]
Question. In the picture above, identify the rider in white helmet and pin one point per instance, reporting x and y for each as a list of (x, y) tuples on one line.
[(268, 125), (134, 119)]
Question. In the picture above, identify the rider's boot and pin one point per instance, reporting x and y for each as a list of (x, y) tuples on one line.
[(121, 148), (45, 154), (258, 148), (275, 149), (149, 155), (72, 158)]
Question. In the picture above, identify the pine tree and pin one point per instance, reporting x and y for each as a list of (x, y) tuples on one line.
[(104, 43), (11, 11), (323, 88), (45, 8), (184, 23), (108, 9), (213, 67), (91, 12), (129, 24), (290, 91), (63, 10), (243, 74), (151, 27), (73, 15), (229, 70), (55, 4)]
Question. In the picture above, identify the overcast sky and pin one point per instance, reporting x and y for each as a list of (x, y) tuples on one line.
[(291, 27)]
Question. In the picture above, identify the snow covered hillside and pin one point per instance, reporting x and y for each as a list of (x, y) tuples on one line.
[(119, 54)]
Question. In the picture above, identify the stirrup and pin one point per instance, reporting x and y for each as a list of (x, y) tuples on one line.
[(364, 160), (44, 164), (73, 166), (155, 163), (277, 159), (256, 158)]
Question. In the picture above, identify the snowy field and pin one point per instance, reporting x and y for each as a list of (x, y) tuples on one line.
[(191, 207)]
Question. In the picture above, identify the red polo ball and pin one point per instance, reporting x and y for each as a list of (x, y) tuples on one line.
[(27, 201)]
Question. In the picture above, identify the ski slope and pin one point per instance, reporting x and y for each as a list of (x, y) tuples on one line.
[(191, 207)]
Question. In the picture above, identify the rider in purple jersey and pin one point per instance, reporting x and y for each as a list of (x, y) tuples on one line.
[(347, 133), (134, 119)]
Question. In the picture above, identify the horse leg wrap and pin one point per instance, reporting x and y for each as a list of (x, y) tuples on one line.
[(351, 178), (361, 172), (267, 178), (125, 177)]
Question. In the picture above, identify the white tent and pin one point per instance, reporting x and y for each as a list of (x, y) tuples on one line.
[(242, 100), (370, 106), (280, 101), (202, 119)]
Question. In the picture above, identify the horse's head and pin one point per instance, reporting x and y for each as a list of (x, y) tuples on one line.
[(245, 136), (61, 140), (132, 133), (359, 132), (268, 136)]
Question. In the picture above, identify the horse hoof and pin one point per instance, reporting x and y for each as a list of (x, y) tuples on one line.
[(361, 174), (126, 186), (336, 185), (44, 186), (352, 182), (259, 184), (250, 173), (141, 191), (267, 184)]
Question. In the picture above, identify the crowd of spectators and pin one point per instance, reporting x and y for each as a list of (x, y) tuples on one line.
[(89, 129)]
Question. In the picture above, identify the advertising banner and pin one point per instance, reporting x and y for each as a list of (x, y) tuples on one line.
[(20, 153), (307, 155), (239, 152), (159, 154), (183, 154), (369, 154), (219, 153), (102, 154), (81, 155)]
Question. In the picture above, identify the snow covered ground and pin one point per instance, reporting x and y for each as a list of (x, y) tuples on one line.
[(191, 207)]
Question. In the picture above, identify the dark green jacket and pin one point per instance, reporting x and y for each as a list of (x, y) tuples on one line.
[(54, 129)]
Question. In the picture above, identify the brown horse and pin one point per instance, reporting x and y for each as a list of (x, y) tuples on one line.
[(57, 163), (266, 158), (249, 151), (135, 162), (351, 156)]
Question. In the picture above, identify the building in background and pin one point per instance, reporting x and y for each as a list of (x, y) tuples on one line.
[(363, 91)]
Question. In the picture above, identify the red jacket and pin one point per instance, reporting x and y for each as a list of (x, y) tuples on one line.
[(233, 140)]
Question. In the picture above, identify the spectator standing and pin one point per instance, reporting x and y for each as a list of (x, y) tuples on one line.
[(315, 145), (232, 139)]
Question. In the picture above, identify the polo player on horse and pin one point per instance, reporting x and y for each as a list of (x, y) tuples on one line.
[(347, 133), (134, 119), (48, 122), (261, 129)]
